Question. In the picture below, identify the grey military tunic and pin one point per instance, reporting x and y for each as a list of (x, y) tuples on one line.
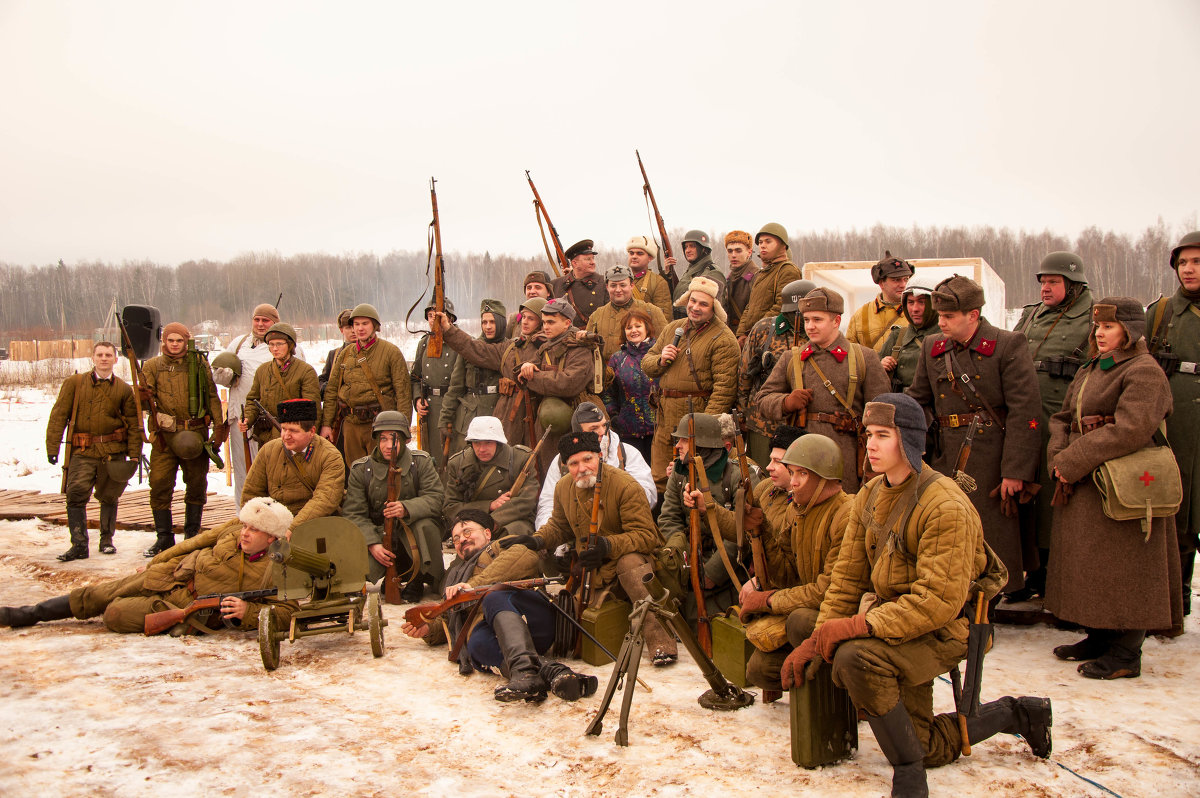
[(471, 484), (473, 392), (431, 381)]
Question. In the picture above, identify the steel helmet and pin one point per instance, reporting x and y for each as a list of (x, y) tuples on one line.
[(793, 292), (699, 238), (447, 304), (708, 430), (774, 229), (228, 360), (391, 421), (1189, 240), (365, 311), (1066, 264), (186, 444), (555, 415), (817, 454), (281, 328)]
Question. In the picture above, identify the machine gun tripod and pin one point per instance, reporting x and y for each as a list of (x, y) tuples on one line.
[(721, 695)]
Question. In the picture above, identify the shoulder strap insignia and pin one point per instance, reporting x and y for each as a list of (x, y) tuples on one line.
[(418, 452)]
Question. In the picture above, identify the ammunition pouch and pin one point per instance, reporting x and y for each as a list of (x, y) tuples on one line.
[(507, 387), (364, 414), (82, 440), (1059, 366), (1169, 361)]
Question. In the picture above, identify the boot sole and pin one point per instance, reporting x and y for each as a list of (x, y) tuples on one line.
[(1107, 674), (510, 697)]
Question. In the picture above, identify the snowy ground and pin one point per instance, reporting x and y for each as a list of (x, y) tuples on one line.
[(86, 712)]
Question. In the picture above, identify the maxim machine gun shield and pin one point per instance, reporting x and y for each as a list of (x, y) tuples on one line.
[(324, 567), (144, 324)]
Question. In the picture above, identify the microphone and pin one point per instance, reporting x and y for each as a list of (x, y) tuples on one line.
[(676, 339)]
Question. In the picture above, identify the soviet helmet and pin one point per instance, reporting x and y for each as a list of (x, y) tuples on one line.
[(555, 415), (708, 430), (281, 328), (1189, 240), (534, 304), (699, 238), (228, 360), (817, 454), (186, 444), (391, 421), (365, 311), (1066, 264), (793, 292), (774, 229)]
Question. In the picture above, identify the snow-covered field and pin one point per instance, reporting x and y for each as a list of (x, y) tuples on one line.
[(87, 713)]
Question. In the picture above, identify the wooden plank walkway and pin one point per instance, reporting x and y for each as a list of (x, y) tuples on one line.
[(133, 510)]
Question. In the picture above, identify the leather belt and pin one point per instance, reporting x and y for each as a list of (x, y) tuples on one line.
[(669, 394), (1092, 423), (435, 391), (964, 419), (841, 422), (82, 440), (196, 423), (485, 390)]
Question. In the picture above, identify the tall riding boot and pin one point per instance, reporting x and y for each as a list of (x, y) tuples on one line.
[(898, 740), (54, 609), (1028, 716), (108, 523), (192, 515), (164, 528), (566, 683), (77, 524), (521, 661), (1123, 659)]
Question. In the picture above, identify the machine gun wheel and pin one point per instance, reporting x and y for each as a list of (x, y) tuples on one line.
[(375, 624), (268, 638)]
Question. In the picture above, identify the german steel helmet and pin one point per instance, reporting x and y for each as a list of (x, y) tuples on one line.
[(228, 360), (1189, 240), (817, 454), (708, 430), (391, 421), (1067, 264), (793, 292), (699, 238)]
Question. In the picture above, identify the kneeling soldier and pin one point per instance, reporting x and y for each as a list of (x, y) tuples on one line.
[(99, 412), (913, 548), (417, 507), (481, 478), (233, 562), (513, 628)]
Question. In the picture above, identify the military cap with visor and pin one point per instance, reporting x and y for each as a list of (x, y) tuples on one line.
[(583, 247)]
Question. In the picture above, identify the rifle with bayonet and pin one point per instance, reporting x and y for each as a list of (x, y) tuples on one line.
[(745, 494), (669, 275), (539, 209), (159, 622), (434, 347), (703, 624)]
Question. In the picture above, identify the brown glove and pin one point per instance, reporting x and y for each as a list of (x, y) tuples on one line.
[(1008, 505), (1062, 493), (797, 400), (220, 433), (757, 602)]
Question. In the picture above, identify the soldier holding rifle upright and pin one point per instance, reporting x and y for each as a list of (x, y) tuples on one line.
[(515, 627), (431, 378), (98, 411), (474, 390)]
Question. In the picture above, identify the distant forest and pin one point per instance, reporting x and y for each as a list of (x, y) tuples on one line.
[(58, 301)]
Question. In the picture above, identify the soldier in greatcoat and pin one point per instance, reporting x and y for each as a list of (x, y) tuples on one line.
[(766, 294), (281, 378), (505, 357), (768, 339), (1000, 388), (369, 377), (1113, 578), (177, 436), (892, 617), (105, 446), (474, 390), (871, 322), (1173, 330), (481, 477), (696, 372), (431, 378), (300, 468), (229, 559), (582, 289), (1057, 328), (824, 386), (416, 544)]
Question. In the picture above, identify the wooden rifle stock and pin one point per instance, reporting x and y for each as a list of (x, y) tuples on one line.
[(585, 587), (669, 274), (391, 579), (757, 553), (704, 625), (561, 266), (424, 613), (245, 436), (434, 347), (523, 474), (159, 622)]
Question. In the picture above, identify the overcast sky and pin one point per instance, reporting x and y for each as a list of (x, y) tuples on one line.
[(176, 131)]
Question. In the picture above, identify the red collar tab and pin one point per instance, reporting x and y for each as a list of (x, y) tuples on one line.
[(939, 347), (370, 343), (255, 557), (985, 347), (806, 352), (839, 354)]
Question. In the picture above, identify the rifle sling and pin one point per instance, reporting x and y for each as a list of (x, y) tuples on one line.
[(290, 459), (482, 482)]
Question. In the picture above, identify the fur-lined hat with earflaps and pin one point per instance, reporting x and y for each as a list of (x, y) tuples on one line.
[(705, 286), (267, 515)]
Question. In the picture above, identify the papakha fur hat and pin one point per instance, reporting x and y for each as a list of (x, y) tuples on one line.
[(267, 515)]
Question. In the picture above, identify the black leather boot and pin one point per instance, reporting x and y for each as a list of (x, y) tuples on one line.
[(108, 523), (1094, 645), (521, 660), (192, 516), (1028, 716), (898, 740), (54, 609), (1123, 660), (164, 528), (566, 683), (77, 525)]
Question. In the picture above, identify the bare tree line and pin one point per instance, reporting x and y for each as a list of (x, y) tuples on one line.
[(59, 301)]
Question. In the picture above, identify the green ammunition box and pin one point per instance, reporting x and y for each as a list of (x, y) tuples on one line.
[(731, 649), (608, 623), (824, 721)]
